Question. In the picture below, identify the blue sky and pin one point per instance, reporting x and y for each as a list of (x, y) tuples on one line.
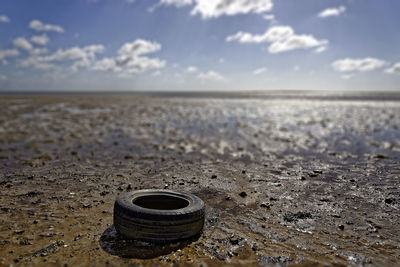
[(194, 45)]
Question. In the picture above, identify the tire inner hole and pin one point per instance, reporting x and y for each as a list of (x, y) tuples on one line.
[(161, 202)]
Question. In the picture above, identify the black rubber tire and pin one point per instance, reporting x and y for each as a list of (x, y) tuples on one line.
[(156, 225)]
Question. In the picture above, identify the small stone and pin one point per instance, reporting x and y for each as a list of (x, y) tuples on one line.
[(243, 172), (129, 187), (265, 205), (25, 242), (31, 213), (294, 217), (213, 176), (341, 227), (243, 194), (388, 201), (19, 231), (48, 234), (228, 198), (234, 241), (86, 205)]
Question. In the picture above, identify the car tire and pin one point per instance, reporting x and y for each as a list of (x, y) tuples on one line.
[(158, 216)]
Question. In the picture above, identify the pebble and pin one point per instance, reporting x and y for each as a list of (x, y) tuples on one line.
[(25, 242), (52, 248), (243, 194), (47, 234), (87, 205), (265, 205), (388, 201), (104, 193), (234, 241)]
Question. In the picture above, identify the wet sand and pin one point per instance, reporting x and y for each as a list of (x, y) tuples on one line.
[(291, 181)]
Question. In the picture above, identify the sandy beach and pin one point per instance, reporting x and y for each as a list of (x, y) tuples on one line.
[(286, 181)]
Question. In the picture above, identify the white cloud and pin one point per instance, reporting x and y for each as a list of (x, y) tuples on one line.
[(295, 42), (131, 58), (192, 69), (36, 63), (4, 54), (177, 3), (4, 18), (281, 39), (79, 57), (320, 49), (215, 8), (39, 26), (211, 76), (395, 69), (271, 18), (273, 34), (82, 57), (38, 51), (259, 71), (329, 12), (3, 77), (106, 64), (22, 43), (40, 39), (361, 65)]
